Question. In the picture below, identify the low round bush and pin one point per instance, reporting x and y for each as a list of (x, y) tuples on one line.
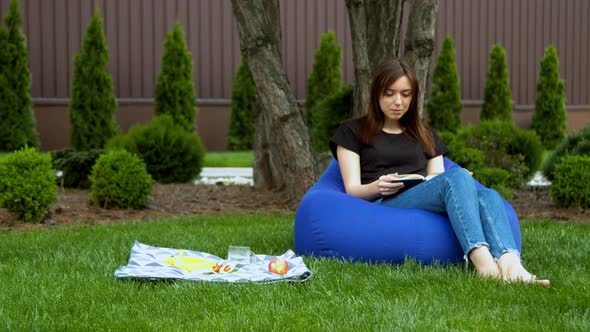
[(27, 184), (75, 166), (119, 180), (569, 187), (577, 143), (171, 153)]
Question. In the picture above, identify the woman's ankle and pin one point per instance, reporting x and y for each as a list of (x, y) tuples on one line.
[(509, 264), (484, 262)]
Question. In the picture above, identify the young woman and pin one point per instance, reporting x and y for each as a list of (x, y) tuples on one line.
[(391, 140)]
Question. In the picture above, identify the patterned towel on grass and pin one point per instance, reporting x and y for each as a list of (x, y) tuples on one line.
[(153, 263)]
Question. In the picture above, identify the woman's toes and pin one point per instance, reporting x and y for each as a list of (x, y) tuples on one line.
[(541, 282)]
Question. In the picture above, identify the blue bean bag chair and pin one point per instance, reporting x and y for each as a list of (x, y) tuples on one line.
[(331, 223)]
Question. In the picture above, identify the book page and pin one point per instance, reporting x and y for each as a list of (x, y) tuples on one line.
[(409, 176)]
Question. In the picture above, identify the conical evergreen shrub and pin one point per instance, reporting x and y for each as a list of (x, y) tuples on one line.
[(326, 76), (93, 103), (497, 100), (243, 101), (444, 105), (175, 90), (549, 116), (327, 116), (17, 121)]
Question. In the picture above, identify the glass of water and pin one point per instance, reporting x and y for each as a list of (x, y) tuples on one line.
[(239, 254)]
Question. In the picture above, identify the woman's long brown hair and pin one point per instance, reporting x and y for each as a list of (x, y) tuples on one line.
[(371, 124)]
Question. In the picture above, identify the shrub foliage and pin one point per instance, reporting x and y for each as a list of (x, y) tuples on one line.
[(170, 153), (75, 166), (470, 158), (444, 105), (243, 101), (549, 117), (577, 143), (119, 180), (17, 121), (513, 149), (475, 160), (497, 100), (175, 89), (93, 102), (328, 114), (326, 76), (570, 184), (27, 184)]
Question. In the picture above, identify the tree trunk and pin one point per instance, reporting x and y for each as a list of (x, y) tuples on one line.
[(375, 28), (419, 43), (283, 156), (376, 33)]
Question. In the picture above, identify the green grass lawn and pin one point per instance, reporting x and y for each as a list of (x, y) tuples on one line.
[(61, 278), (229, 159)]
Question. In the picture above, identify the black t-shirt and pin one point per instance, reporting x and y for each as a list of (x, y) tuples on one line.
[(389, 153)]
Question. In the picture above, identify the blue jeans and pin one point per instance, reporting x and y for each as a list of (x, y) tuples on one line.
[(477, 216)]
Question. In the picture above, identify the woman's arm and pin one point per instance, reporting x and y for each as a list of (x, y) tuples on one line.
[(350, 168), (435, 166)]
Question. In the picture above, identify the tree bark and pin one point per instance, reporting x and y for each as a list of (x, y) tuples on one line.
[(376, 33), (283, 156), (375, 28), (419, 43)]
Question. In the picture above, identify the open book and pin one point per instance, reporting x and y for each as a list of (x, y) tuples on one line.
[(410, 180)]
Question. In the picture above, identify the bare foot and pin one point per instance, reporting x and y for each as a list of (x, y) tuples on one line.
[(484, 262), (511, 270)]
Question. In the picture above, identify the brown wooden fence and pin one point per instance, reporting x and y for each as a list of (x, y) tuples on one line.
[(135, 31)]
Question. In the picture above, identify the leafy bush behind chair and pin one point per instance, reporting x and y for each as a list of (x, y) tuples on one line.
[(516, 150), (474, 160)]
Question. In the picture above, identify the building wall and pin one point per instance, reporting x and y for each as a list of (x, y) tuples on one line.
[(135, 31)]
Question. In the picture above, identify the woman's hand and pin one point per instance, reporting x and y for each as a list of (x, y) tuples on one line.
[(386, 187)]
